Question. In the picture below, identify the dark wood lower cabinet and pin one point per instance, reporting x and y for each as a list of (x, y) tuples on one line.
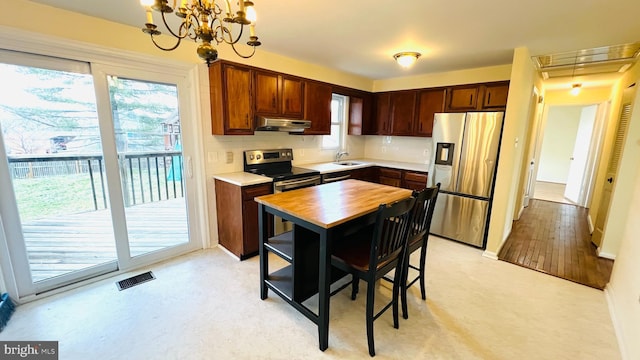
[(414, 180), (365, 174), (408, 179), (238, 217), (392, 177)]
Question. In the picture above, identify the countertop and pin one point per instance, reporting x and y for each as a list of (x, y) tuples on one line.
[(329, 167), (241, 178)]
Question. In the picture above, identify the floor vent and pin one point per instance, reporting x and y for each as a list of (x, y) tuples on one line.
[(135, 280)]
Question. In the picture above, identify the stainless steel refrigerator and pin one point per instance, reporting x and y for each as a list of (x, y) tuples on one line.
[(465, 158)]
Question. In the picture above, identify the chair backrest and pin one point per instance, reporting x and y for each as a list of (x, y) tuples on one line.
[(390, 233), (423, 211)]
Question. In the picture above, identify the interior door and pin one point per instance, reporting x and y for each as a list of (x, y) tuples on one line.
[(574, 189), (612, 169), (535, 122)]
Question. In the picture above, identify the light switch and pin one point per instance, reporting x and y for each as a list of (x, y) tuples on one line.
[(229, 157)]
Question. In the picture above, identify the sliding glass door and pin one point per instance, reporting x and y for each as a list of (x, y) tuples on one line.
[(93, 177), (147, 127)]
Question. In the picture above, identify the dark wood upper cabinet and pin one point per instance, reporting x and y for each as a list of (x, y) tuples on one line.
[(278, 95), (462, 98), (292, 97), (429, 102), (356, 121), (486, 96), (403, 105), (383, 113), (317, 107), (267, 96), (495, 95), (231, 104)]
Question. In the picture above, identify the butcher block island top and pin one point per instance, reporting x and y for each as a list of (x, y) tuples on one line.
[(332, 204)]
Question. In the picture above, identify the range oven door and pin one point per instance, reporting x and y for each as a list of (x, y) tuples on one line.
[(280, 225)]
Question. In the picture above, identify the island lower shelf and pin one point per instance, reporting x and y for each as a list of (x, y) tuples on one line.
[(300, 248)]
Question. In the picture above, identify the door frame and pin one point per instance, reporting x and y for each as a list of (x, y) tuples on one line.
[(190, 111), (595, 147)]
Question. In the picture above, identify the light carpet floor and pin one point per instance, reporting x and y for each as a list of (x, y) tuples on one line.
[(206, 305)]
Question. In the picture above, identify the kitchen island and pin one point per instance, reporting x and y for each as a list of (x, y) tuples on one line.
[(320, 215)]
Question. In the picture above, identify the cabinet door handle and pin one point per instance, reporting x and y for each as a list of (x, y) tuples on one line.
[(489, 99), (470, 99), (273, 101), (246, 119), (420, 126), (286, 104)]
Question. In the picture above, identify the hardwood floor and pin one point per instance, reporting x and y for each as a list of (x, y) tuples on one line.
[(554, 238), (62, 244)]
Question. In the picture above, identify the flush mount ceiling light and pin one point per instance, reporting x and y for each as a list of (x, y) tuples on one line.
[(575, 89), (406, 59), (204, 21)]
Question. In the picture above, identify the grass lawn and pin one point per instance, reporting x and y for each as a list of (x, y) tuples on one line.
[(71, 194)]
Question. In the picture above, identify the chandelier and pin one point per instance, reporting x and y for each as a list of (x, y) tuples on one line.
[(204, 21)]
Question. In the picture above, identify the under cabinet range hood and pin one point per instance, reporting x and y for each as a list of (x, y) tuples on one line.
[(280, 124)]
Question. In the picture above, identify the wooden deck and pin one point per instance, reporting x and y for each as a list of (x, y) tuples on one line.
[(554, 238), (59, 245)]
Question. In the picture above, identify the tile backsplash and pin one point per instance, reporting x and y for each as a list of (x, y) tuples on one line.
[(224, 153), (399, 148)]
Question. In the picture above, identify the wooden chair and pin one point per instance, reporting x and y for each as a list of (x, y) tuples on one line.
[(418, 239), (369, 255)]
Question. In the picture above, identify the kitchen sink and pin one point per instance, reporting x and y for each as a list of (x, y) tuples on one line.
[(347, 163)]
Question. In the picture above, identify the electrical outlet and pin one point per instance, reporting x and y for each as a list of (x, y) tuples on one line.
[(229, 157), (425, 152)]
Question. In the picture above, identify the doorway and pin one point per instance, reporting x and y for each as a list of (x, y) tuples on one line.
[(93, 172), (571, 141)]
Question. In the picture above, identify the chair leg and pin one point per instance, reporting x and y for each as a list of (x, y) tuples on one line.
[(423, 258), (369, 315), (397, 284), (403, 285), (355, 286)]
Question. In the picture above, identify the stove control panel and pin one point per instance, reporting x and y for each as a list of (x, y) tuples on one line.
[(252, 157)]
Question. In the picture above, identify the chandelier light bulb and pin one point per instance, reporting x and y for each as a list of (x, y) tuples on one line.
[(406, 59), (146, 3), (250, 12)]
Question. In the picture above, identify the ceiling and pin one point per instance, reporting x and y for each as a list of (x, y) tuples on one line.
[(360, 37)]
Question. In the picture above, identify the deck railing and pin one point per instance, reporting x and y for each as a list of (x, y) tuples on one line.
[(146, 176)]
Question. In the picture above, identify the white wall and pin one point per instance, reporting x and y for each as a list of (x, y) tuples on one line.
[(514, 133), (557, 145)]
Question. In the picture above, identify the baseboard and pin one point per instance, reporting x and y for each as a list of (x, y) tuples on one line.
[(609, 296), (591, 227), (605, 255), (520, 213), (490, 254)]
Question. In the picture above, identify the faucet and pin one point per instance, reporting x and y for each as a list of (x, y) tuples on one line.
[(340, 154)]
